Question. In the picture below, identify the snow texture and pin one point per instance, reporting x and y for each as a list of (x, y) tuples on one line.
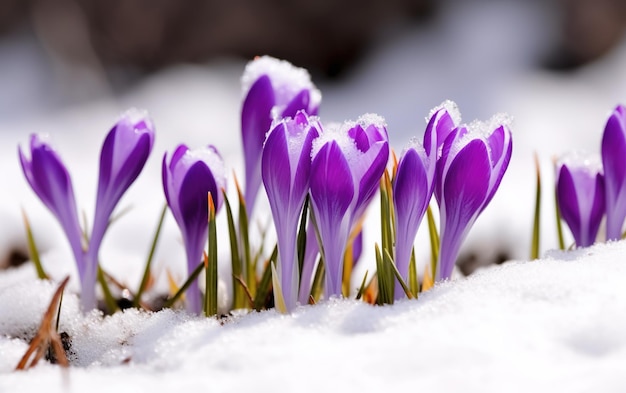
[(555, 323)]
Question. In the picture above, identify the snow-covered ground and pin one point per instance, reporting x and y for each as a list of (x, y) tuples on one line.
[(553, 324)]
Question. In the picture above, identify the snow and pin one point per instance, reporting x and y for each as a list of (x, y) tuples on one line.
[(552, 324), (523, 326)]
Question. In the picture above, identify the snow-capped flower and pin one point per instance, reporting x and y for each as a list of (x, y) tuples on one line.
[(286, 165), (614, 163), (49, 178), (414, 183), (580, 195), (187, 179), (124, 153), (441, 121), (273, 89), (473, 160), (348, 162)]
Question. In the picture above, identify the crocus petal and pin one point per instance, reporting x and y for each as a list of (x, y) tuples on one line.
[(368, 183), (441, 121), (500, 151), (465, 187), (255, 123), (568, 202), (614, 163), (332, 191), (412, 190)]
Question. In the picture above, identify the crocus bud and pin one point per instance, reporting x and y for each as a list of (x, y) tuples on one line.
[(580, 195), (348, 162), (412, 190), (187, 179), (286, 165), (414, 183), (51, 181), (124, 153), (614, 163), (272, 89), (473, 160)]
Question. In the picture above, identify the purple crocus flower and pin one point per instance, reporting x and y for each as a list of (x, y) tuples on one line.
[(412, 190), (187, 179), (286, 165), (348, 162), (50, 180), (124, 153), (414, 183), (580, 195), (614, 163), (473, 160), (273, 89)]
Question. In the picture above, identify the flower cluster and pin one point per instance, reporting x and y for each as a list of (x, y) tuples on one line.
[(463, 165), (319, 179)]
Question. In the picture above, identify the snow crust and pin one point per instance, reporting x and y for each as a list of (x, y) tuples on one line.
[(523, 326)]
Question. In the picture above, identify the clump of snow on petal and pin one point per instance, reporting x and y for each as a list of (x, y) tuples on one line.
[(135, 115), (484, 129), (370, 119), (339, 133), (451, 107), (286, 78), (212, 158)]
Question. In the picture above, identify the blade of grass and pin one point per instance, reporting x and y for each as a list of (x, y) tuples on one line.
[(317, 287), (398, 276), (359, 294), (265, 285), (559, 224), (146, 273), (249, 267), (380, 274), (242, 283), (32, 249), (301, 240), (211, 264), (235, 260), (434, 239), (279, 300), (534, 248), (194, 275), (109, 300), (414, 284)]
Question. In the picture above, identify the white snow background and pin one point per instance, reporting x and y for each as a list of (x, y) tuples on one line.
[(556, 324)]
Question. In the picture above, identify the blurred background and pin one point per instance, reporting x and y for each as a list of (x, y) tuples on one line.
[(59, 52), (69, 67)]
